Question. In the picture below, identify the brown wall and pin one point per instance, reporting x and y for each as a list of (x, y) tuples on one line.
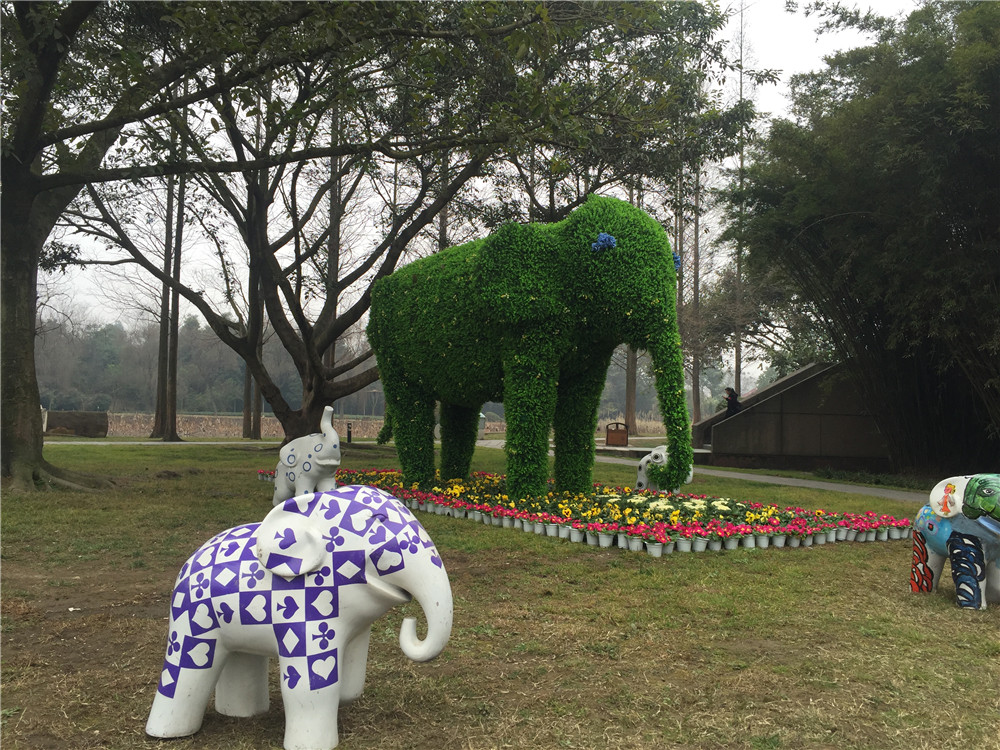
[(820, 421)]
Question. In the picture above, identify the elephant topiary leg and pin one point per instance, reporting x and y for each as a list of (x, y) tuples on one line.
[(577, 404), (413, 428), (459, 427), (530, 373)]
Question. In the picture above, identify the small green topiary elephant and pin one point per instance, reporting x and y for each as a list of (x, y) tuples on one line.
[(530, 316)]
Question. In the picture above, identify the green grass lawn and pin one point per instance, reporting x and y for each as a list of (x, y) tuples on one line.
[(555, 645)]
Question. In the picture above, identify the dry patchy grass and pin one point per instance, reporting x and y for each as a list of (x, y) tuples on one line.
[(555, 645)]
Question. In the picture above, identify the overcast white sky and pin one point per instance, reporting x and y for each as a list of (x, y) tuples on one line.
[(788, 41), (777, 39)]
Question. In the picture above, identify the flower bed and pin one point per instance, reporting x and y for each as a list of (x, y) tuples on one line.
[(653, 517)]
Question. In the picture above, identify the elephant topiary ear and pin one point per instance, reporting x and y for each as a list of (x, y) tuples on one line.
[(289, 543)]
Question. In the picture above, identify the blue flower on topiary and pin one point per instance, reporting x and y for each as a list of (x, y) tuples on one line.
[(604, 242)]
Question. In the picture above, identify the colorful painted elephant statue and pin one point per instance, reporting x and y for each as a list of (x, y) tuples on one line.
[(304, 585), (309, 463), (961, 523)]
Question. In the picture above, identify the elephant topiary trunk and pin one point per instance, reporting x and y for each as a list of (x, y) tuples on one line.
[(529, 316)]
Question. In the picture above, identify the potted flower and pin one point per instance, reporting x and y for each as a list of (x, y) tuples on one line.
[(635, 536), (730, 536), (683, 538), (658, 541)]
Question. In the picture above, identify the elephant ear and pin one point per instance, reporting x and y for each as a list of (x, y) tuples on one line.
[(289, 543)]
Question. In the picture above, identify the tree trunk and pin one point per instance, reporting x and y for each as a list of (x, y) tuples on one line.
[(248, 392), (694, 313), (163, 351), (258, 407), (24, 226), (21, 447), (631, 373), (170, 411)]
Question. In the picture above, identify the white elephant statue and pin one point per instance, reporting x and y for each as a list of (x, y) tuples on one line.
[(961, 523), (658, 457), (304, 585), (309, 463)]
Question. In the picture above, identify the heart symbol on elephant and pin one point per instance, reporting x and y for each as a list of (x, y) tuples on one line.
[(359, 521), (202, 617), (324, 667), (257, 608), (200, 654), (389, 560), (324, 603)]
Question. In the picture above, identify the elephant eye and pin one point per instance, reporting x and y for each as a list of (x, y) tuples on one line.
[(988, 491)]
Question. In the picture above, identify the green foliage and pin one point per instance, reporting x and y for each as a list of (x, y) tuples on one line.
[(882, 205), (530, 315)]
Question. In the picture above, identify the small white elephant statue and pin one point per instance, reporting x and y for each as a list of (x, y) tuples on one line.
[(304, 585), (658, 457), (961, 523), (309, 463)]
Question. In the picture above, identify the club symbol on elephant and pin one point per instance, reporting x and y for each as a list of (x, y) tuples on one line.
[(277, 588)]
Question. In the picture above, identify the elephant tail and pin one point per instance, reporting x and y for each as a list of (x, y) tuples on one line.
[(385, 434)]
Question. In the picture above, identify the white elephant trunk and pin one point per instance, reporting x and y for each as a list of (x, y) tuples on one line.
[(435, 600)]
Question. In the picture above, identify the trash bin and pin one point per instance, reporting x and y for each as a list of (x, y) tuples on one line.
[(617, 434)]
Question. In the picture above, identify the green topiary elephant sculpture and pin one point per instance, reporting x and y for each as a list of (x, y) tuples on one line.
[(530, 316)]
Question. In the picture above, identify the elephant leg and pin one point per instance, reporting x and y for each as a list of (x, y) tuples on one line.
[(355, 666), (413, 425), (925, 571), (459, 427), (284, 486), (577, 403), (968, 569), (327, 483), (310, 713), (993, 582), (530, 374), (185, 687), (242, 687)]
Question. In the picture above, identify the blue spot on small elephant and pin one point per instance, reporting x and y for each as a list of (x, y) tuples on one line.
[(304, 585), (961, 524)]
